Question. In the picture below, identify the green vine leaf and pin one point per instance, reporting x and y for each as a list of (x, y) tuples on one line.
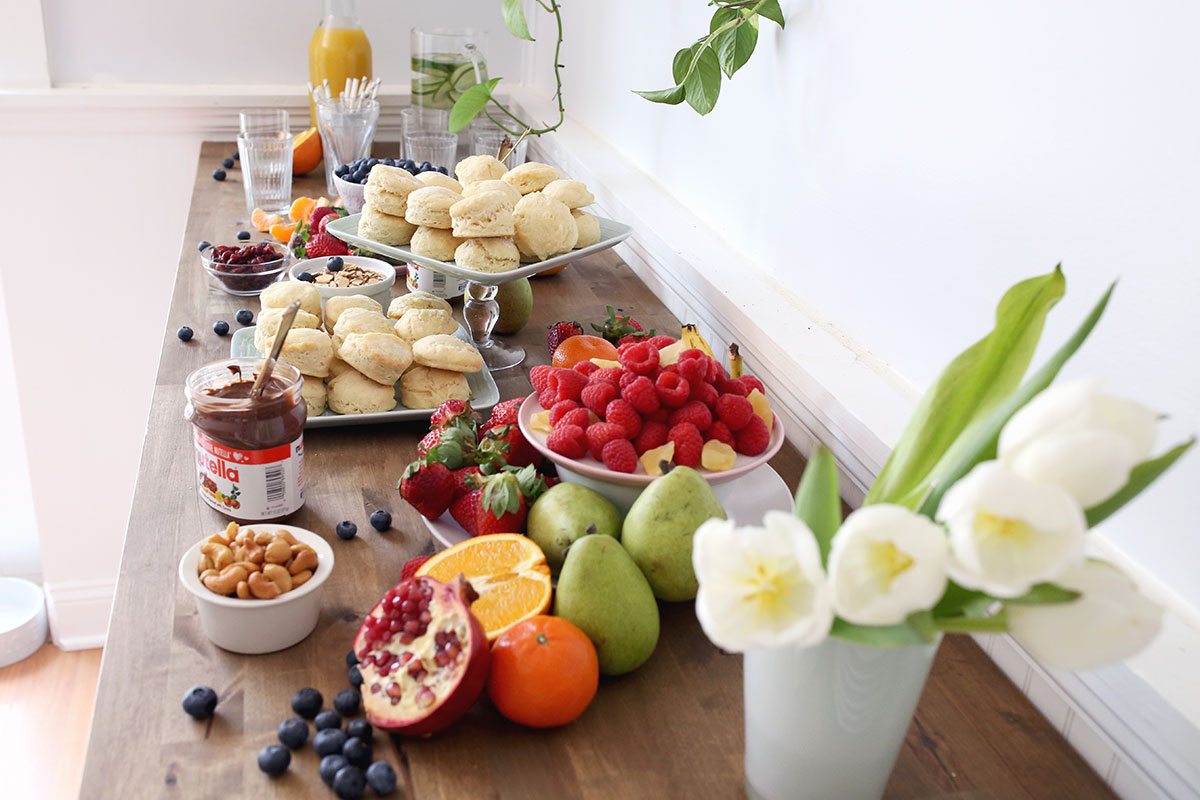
[(672, 96), (514, 20), (771, 10), (470, 103), (703, 85), (734, 46)]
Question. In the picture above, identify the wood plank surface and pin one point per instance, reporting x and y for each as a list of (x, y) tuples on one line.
[(671, 729)]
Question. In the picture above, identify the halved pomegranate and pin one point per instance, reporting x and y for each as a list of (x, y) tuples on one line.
[(423, 656)]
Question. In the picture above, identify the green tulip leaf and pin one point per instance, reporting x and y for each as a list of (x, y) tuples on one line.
[(1142, 476), (818, 503), (920, 628)]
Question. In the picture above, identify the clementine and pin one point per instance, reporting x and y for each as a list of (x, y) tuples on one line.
[(306, 152), (544, 672), (582, 348)]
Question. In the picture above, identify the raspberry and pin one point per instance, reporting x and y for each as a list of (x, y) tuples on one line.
[(598, 394), (734, 410), (625, 345), (754, 438), (662, 415), (751, 383), (567, 384), (659, 342), (608, 374), (560, 409), (720, 431), (672, 390), (586, 367), (688, 444), (539, 376), (705, 393), (641, 358), (580, 416), (716, 370), (731, 386), (618, 455), (654, 434), (627, 378), (600, 434), (696, 413), (620, 412), (546, 397), (692, 366), (568, 440), (641, 395)]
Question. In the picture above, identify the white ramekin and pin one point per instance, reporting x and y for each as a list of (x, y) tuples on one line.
[(380, 291)]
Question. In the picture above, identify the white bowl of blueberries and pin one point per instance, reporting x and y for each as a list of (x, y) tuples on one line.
[(350, 178)]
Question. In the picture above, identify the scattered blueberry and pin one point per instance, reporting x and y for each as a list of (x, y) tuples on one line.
[(381, 520), (218, 174), (346, 530), (357, 752), (244, 316), (359, 729), (307, 702), (444, 171), (327, 719), (274, 759), (237, 156), (425, 167), (307, 277), (243, 236), (227, 163), (408, 164), (334, 264), (220, 327), (351, 658), (199, 701), (381, 777), (293, 732), (354, 675), (330, 766), (329, 741), (204, 245), (349, 783), (347, 702), (184, 334)]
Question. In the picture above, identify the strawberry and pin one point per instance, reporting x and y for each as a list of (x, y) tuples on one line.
[(452, 446), (411, 566), (499, 507), (506, 445), (319, 215), (451, 411), (428, 488), (620, 328), (561, 331), (324, 244), (465, 479), (504, 414)]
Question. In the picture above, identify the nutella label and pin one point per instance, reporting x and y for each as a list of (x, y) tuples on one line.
[(250, 484)]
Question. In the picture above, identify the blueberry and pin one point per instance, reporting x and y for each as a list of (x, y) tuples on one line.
[(347, 702), (327, 719), (274, 759), (351, 658), (354, 675), (227, 163), (372, 162), (341, 170), (307, 277), (307, 702), (349, 783), (220, 327), (359, 729), (346, 530), (357, 752), (244, 316), (413, 169), (184, 334), (359, 175), (237, 156), (330, 766), (204, 245), (425, 166), (199, 701), (329, 741), (381, 520), (381, 777), (218, 174), (293, 732), (444, 171), (243, 236), (334, 264)]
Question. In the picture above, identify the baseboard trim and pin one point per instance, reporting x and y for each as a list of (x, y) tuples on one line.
[(79, 612)]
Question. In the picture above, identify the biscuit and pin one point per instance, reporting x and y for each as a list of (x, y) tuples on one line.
[(393, 179), (572, 194), (267, 326), (479, 168), (436, 243), (444, 351), (355, 393), (433, 178), (416, 299), (382, 357), (544, 229), (308, 350), (420, 322), (588, 227), (337, 367), (494, 185), (483, 214), (532, 176), (422, 387), (335, 305), (488, 255), (384, 228), (381, 199), (359, 320), (313, 392), (283, 293), (430, 206)]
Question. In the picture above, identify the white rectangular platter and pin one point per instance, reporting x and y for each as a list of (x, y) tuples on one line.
[(484, 392), (611, 233)]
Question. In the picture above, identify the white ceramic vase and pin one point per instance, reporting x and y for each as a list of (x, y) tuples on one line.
[(828, 721)]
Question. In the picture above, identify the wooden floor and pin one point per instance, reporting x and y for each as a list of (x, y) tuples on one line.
[(46, 704)]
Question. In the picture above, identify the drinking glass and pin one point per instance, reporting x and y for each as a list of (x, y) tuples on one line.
[(418, 119), (346, 134), (445, 63), (439, 149), (265, 146), (488, 142)]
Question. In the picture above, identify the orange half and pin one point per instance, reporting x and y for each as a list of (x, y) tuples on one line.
[(306, 152), (508, 571)]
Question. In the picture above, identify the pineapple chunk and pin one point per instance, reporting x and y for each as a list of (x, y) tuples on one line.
[(762, 407), (604, 363), (717, 456), (652, 459), (670, 354), (541, 422)]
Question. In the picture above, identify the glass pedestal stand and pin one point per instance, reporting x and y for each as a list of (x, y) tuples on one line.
[(481, 311)]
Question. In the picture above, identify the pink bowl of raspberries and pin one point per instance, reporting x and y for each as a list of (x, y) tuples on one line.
[(614, 423)]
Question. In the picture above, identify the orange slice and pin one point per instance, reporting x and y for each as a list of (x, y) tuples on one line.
[(262, 221), (283, 233), (302, 208), (306, 152), (508, 571)]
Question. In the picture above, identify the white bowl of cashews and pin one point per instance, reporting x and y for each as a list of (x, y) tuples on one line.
[(274, 611)]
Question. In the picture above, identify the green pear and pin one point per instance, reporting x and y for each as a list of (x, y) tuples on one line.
[(566, 512), (659, 527), (515, 300), (602, 591)]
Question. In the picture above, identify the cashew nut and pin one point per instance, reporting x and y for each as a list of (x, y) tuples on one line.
[(264, 538), (305, 559), (226, 582), (279, 576), (204, 574), (263, 587), (286, 536), (243, 590), (278, 552), (249, 566), (206, 563), (254, 553), (221, 555), (300, 579)]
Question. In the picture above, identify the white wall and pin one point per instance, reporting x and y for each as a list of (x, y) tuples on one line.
[(19, 556)]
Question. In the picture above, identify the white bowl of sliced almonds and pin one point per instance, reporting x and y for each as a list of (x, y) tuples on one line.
[(357, 275), (257, 587)]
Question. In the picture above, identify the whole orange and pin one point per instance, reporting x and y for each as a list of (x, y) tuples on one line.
[(582, 348), (544, 672)]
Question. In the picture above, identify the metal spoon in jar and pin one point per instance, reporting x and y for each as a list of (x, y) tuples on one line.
[(264, 374)]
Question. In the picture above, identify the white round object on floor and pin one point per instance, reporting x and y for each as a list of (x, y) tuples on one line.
[(23, 627)]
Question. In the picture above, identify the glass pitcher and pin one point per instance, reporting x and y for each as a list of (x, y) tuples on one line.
[(445, 63), (338, 50)]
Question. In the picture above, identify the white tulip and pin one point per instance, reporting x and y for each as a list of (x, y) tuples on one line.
[(760, 587), (1007, 532), (1109, 622), (885, 563), (1073, 436)]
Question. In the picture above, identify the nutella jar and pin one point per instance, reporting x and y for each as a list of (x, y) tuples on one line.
[(249, 455)]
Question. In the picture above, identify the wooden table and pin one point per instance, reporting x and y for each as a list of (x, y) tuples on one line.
[(671, 729)]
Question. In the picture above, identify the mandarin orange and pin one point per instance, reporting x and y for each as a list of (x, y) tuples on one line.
[(544, 672), (582, 348)]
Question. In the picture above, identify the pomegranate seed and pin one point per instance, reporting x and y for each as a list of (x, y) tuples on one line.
[(453, 650), (408, 606), (395, 625), (415, 668), (425, 698), (393, 689), (406, 638), (375, 687), (425, 617), (442, 659), (412, 626)]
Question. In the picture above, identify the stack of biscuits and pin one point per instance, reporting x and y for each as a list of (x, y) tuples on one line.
[(491, 219), (354, 358)]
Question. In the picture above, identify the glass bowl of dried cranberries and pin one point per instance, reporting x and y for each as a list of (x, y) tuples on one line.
[(244, 270)]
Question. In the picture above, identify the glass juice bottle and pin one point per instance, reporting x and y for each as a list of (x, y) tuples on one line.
[(338, 50)]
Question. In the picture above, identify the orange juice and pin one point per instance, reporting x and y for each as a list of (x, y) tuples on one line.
[(336, 52)]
